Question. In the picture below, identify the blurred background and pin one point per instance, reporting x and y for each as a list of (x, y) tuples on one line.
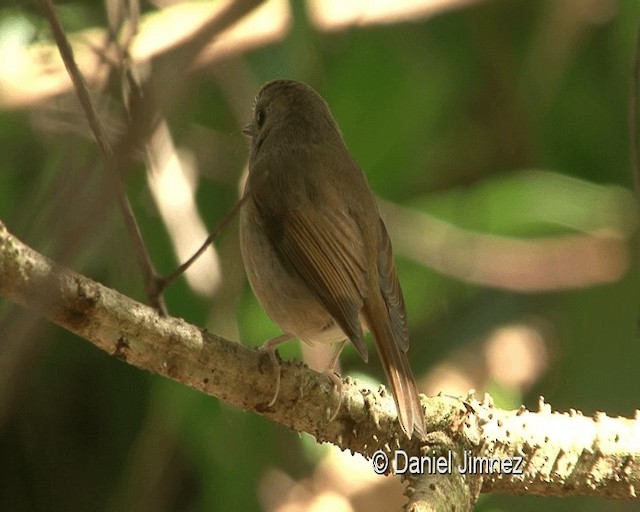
[(495, 134)]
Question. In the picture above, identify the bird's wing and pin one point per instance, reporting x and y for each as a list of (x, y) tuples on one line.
[(390, 288), (324, 246)]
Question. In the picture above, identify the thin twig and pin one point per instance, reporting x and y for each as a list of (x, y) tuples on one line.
[(170, 279), (139, 101), (142, 254), (189, 50), (185, 54)]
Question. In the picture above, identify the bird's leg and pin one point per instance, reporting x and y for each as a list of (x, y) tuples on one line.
[(270, 346), (334, 377)]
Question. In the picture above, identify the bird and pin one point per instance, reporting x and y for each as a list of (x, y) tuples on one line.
[(315, 249)]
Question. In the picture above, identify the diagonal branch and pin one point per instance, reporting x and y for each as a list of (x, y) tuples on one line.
[(142, 254), (171, 347), (540, 453)]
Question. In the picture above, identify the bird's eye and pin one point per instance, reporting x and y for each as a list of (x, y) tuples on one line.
[(260, 116)]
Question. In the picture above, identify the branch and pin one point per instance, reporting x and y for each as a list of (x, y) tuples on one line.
[(144, 260), (561, 454), (171, 347), (564, 454)]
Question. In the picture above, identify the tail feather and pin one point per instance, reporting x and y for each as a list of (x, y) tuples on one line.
[(398, 371)]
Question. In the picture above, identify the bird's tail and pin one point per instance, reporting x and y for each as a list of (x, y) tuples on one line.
[(397, 369)]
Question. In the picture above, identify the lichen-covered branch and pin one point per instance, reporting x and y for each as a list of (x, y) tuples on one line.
[(472, 446), (562, 453)]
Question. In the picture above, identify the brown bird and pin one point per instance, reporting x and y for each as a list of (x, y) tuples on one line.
[(315, 249)]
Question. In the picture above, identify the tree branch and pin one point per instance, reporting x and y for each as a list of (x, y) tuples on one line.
[(149, 274), (562, 454)]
